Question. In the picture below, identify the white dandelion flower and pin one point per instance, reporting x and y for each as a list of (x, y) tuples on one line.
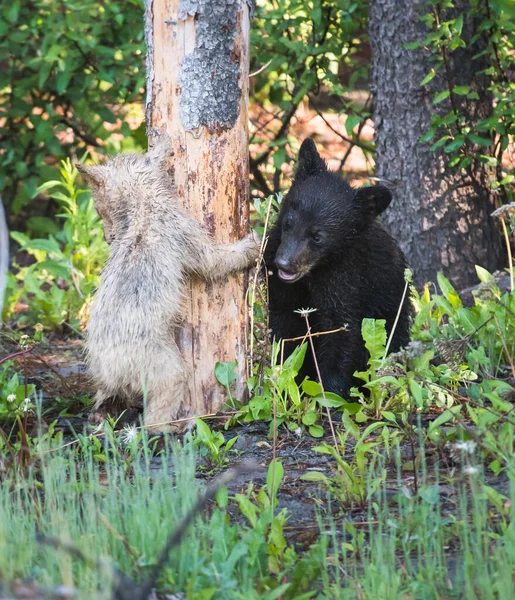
[(466, 446), (304, 312), (26, 405), (11, 397), (470, 470), (130, 434)]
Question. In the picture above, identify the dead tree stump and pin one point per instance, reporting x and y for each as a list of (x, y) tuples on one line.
[(197, 91)]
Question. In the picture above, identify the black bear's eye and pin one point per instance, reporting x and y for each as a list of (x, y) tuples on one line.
[(316, 237)]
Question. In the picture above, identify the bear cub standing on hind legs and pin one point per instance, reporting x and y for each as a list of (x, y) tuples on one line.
[(328, 252), (155, 246)]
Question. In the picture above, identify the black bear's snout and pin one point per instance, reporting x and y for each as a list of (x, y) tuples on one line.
[(290, 262), (283, 264)]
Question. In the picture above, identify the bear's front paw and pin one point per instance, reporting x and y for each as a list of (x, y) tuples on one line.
[(252, 245)]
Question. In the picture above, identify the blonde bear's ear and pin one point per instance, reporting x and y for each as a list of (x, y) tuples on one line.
[(161, 150), (94, 175)]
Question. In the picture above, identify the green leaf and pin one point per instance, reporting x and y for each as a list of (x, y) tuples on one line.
[(315, 476), (316, 431), (428, 78), (480, 141), (225, 373), (331, 400), (483, 275), (311, 388), (428, 135), (445, 417), (461, 90), (440, 142), (441, 96), (309, 418), (275, 473), (448, 291), (247, 509), (430, 494), (231, 443), (350, 122), (373, 332), (456, 144)]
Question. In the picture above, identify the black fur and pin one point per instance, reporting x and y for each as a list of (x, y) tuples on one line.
[(328, 241)]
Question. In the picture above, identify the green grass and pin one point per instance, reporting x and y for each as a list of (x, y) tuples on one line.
[(410, 545)]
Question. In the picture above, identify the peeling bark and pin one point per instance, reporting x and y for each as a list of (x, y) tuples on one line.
[(439, 215), (198, 94)]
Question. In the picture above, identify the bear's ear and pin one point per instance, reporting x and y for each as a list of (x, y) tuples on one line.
[(94, 175), (309, 161), (374, 199), (161, 150)]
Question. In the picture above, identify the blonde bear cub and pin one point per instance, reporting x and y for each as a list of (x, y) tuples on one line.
[(155, 247)]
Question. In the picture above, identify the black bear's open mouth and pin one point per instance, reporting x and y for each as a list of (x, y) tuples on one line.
[(288, 277)]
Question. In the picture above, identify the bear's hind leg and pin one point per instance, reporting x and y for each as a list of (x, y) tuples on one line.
[(167, 390)]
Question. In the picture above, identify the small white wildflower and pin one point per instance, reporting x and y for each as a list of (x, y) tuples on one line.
[(470, 470), (467, 446), (304, 312), (130, 434), (298, 431), (11, 397), (26, 405)]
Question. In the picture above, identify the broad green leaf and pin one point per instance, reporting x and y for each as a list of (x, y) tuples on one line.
[(330, 401), (480, 141), (351, 122), (309, 418), (373, 332), (311, 388), (275, 474), (225, 372), (448, 291), (441, 96), (316, 431), (315, 476), (456, 144)]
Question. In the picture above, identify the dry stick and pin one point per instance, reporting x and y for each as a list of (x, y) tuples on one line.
[(254, 285), (397, 317), (28, 349), (260, 70), (305, 315), (4, 256), (508, 355), (316, 334), (508, 249)]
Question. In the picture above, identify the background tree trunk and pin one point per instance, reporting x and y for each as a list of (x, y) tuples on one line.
[(439, 215), (197, 91)]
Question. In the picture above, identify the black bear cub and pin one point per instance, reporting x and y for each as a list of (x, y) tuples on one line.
[(328, 252)]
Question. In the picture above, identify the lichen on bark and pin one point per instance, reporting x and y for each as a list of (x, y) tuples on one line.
[(209, 76)]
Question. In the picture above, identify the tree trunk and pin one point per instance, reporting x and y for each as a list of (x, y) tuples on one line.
[(439, 215), (197, 91)]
